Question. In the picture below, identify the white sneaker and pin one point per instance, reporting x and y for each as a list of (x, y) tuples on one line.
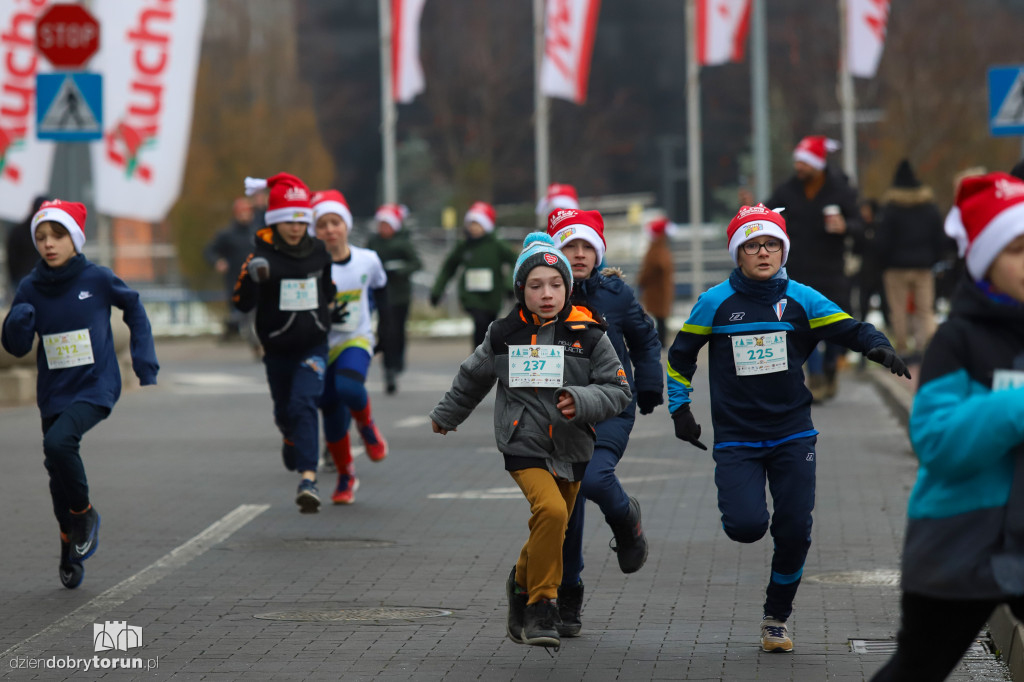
[(774, 635)]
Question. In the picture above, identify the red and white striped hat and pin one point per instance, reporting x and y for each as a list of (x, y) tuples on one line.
[(813, 149), (392, 214), (989, 214), (559, 195), (287, 198), (331, 201), (756, 221), (70, 214), (483, 213)]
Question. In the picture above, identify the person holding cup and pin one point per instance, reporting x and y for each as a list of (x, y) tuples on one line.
[(821, 211)]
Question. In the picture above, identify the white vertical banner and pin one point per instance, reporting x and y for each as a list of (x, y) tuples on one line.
[(722, 27), (149, 54), (866, 22), (569, 29), (406, 71), (25, 162)]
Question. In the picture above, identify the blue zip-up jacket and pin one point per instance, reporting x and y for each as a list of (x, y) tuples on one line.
[(759, 410), (965, 534), (74, 297), (635, 340)]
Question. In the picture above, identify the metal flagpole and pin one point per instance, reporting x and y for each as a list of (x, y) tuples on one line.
[(759, 100), (694, 148), (387, 105), (847, 100), (540, 103)]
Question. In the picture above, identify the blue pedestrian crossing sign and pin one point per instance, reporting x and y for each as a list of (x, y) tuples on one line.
[(1006, 100), (69, 106)]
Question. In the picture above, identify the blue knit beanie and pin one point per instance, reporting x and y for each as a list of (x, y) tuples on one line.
[(540, 249)]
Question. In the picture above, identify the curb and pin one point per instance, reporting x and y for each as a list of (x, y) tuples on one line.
[(1007, 632)]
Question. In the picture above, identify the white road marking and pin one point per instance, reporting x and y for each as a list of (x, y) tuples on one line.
[(412, 422), (216, 383), (94, 610), (516, 493)]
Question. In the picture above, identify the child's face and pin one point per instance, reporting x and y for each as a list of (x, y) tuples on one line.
[(385, 230), (475, 230), (582, 257), (291, 232), (54, 243), (764, 264), (1007, 271), (332, 230), (544, 293)]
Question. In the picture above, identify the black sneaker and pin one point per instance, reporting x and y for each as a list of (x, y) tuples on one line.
[(570, 605), (288, 454), (84, 537), (390, 381), (516, 608), (71, 574), (540, 626), (308, 497), (629, 543)]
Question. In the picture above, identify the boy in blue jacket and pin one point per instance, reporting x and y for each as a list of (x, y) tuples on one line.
[(761, 326), (964, 548), (66, 301)]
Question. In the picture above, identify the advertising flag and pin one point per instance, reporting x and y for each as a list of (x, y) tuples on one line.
[(406, 71), (866, 22), (722, 27), (25, 162), (148, 57), (569, 28)]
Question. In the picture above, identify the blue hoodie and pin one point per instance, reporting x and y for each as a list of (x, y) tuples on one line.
[(72, 298)]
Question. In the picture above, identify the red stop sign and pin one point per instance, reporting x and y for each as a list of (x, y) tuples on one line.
[(67, 35)]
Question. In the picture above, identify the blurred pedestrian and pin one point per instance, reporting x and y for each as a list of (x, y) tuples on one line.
[(656, 279), (559, 195), (66, 302), (821, 212), (759, 326), (356, 273), (226, 253), (963, 549), (21, 248), (482, 262), (868, 278), (400, 259), (287, 280), (911, 242)]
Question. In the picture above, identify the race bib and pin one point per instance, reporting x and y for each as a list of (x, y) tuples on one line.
[(535, 366), (760, 353), (299, 294), (353, 306), (1007, 379), (479, 279), (69, 349)]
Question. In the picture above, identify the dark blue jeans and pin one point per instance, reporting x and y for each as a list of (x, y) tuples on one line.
[(601, 485), (62, 435), (789, 468), (296, 384)]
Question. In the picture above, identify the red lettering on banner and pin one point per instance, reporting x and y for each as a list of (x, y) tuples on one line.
[(558, 45), (141, 123), (877, 21), (19, 85)]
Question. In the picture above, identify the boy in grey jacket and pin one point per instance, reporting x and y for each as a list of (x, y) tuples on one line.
[(557, 375)]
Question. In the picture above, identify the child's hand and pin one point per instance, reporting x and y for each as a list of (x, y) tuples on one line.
[(259, 269), (24, 315), (437, 429), (566, 404)]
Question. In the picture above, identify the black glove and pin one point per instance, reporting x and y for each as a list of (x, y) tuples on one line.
[(648, 400), (435, 299), (339, 313), (886, 357), (687, 427), (259, 269)]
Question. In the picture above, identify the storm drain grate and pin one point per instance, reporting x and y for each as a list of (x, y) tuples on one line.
[(888, 647), (356, 614)]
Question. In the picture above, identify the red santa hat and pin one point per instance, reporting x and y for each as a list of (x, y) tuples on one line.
[(392, 214), (569, 224), (287, 198), (69, 214), (660, 226), (756, 221), (813, 149), (483, 213), (559, 196), (989, 214), (331, 201)]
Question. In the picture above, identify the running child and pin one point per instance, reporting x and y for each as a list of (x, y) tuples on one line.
[(287, 279), (547, 402), (65, 301), (355, 272), (761, 326)]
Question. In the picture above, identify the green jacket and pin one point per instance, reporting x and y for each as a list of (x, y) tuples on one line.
[(484, 282), (400, 260)]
